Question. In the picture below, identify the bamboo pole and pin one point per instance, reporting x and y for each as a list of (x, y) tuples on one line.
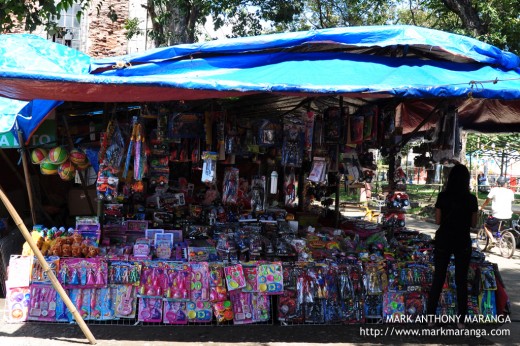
[(45, 266), (28, 184)]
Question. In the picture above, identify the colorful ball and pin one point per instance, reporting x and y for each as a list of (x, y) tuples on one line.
[(58, 155), (78, 157), (38, 155), (66, 171), (48, 168)]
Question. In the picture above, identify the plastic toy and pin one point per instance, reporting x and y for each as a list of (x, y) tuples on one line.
[(38, 155)]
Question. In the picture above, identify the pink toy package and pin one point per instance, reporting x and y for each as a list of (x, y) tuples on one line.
[(124, 297), (235, 278), (199, 282), (242, 307), (250, 274), (178, 277), (150, 310), (175, 312), (42, 306), (83, 272), (17, 304)]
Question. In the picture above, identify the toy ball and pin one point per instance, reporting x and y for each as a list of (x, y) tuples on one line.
[(82, 166), (38, 155), (48, 168), (78, 157), (58, 155), (66, 171)]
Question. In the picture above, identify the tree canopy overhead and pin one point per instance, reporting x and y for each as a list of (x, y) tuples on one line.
[(177, 21)]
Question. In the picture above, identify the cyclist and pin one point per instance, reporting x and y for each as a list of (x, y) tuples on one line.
[(501, 199)]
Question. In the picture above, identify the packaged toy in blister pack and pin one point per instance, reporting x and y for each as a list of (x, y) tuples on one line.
[(487, 300), (473, 305), (175, 312), (353, 310), (209, 167), (415, 304), (235, 278), (83, 272), (199, 282), (374, 306), (217, 284), (289, 310), (258, 193), (293, 142), (333, 312), (17, 302), (223, 311), (261, 307), (397, 200), (375, 278), (242, 306), (230, 186), (178, 281), (107, 184), (351, 282), (270, 278), (487, 275), (38, 274), (447, 303), (291, 189), (250, 274), (314, 311), (159, 172), (393, 305), (124, 273), (150, 310), (125, 300), (333, 121)]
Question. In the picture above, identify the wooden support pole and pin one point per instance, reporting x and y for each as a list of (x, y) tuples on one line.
[(46, 268), (28, 184)]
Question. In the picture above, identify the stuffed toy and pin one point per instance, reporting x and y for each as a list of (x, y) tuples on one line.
[(38, 240)]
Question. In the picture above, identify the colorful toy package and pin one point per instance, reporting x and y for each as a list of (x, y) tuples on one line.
[(270, 278), (175, 312), (17, 304), (199, 282), (125, 301), (223, 311), (217, 290), (42, 306), (178, 281), (150, 310), (235, 278), (199, 312), (393, 305), (242, 306), (38, 275), (83, 272)]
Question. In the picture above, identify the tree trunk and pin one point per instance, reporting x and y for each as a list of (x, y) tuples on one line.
[(468, 14)]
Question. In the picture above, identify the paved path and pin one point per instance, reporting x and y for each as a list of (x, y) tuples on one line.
[(273, 335)]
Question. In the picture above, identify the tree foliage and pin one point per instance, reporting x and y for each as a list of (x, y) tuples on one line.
[(178, 21)]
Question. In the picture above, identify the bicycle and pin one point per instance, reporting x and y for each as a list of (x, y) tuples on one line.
[(505, 237)]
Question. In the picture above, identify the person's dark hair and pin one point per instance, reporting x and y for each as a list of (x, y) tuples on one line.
[(458, 180), (501, 181)]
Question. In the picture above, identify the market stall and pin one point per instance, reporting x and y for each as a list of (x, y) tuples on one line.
[(215, 165)]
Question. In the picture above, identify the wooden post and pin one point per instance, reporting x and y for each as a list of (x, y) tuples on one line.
[(46, 268), (28, 184)]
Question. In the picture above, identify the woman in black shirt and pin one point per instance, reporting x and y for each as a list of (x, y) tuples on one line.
[(456, 212)]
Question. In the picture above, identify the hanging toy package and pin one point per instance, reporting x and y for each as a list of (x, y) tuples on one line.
[(291, 190), (258, 193), (293, 142), (209, 167), (230, 187)]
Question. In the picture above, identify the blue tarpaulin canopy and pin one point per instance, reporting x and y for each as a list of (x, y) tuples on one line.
[(404, 62)]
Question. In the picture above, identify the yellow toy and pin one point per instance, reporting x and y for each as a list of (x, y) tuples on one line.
[(38, 239)]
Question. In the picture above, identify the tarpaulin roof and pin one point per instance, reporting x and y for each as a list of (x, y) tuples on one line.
[(27, 114), (368, 62)]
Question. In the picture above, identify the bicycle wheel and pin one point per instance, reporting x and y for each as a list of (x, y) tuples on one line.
[(507, 244), (482, 239)]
